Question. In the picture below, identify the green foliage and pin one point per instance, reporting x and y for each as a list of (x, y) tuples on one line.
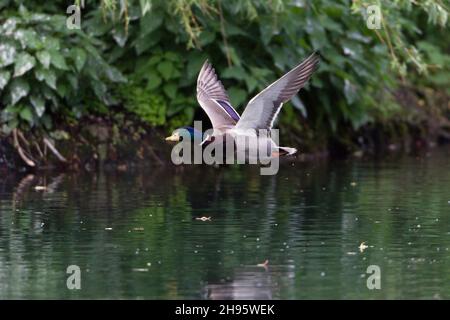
[(160, 46), (44, 68), (149, 107), (251, 43)]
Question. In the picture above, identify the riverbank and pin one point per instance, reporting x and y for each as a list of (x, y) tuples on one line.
[(120, 140), (100, 144)]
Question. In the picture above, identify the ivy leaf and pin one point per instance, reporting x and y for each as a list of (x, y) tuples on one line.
[(24, 63), (58, 60), (39, 104), (7, 54), (48, 76), (27, 114), (4, 78), (44, 58), (19, 89)]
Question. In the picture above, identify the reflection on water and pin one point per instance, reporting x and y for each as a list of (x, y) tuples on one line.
[(253, 282), (135, 235)]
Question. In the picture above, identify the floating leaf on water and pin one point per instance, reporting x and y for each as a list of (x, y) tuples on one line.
[(140, 269), (203, 218), (40, 188), (362, 246), (264, 264)]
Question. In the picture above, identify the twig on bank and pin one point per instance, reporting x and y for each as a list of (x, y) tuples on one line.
[(154, 155), (53, 149), (21, 152), (39, 150)]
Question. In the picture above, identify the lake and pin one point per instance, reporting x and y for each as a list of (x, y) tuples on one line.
[(199, 232)]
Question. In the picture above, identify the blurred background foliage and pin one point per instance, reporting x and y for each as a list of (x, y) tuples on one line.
[(142, 58)]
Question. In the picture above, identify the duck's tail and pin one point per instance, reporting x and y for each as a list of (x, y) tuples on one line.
[(285, 151)]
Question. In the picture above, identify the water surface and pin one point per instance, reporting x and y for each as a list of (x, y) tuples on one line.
[(136, 234)]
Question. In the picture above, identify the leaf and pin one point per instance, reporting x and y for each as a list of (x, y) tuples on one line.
[(142, 44), (146, 6), (206, 37), (237, 96), (48, 76), (28, 39), (79, 56), (298, 104), (27, 114), (150, 22), (120, 35), (153, 80), (251, 83), (24, 63), (51, 44), (350, 91), (195, 62), (19, 89), (234, 72), (172, 56), (114, 74), (58, 61), (99, 89), (7, 54), (170, 89), (39, 104), (4, 78), (44, 58), (165, 68)]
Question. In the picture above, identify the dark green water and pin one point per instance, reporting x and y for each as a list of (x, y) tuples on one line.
[(135, 235)]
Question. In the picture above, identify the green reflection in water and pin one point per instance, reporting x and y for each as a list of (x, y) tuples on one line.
[(135, 235)]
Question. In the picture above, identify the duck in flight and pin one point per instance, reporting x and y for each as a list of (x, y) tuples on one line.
[(259, 114)]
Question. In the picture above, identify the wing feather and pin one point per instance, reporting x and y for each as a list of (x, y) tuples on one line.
[(213, 98), (263, 109)]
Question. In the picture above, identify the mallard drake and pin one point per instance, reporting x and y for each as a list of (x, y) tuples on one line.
[(260, 112)]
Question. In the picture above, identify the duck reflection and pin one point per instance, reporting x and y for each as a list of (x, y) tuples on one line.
[(261, 282)]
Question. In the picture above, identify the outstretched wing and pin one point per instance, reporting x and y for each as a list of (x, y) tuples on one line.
[(213, 98), (263, 109)]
